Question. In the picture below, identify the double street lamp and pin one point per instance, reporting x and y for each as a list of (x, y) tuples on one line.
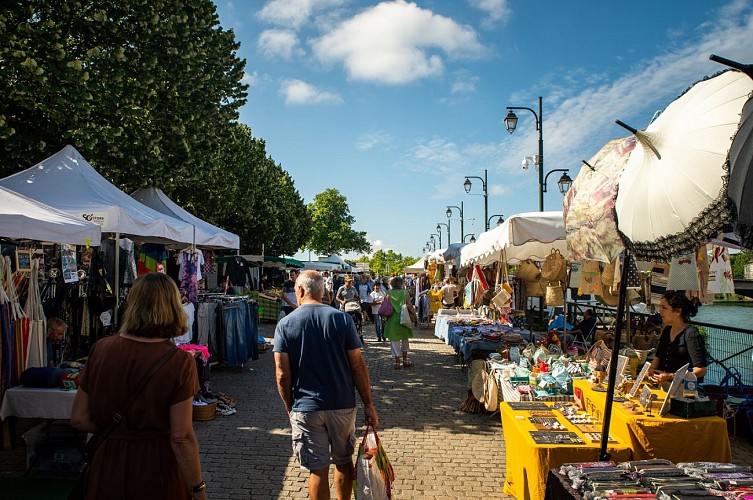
[(511, 122), (467, 186), (499, 221), (462, 220)]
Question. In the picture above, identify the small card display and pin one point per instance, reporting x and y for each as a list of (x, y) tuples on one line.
[(646, 398), (528, 405), (546, 423), (554, 437), (596, 437), (640, 378)]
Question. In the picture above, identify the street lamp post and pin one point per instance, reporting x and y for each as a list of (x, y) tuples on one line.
[(439, 228), (499, 221), (473, 237), (462, 220), (564, 183), (467, 186), (511, 121), (439, 236)]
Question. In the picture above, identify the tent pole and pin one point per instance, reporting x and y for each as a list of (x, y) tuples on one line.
[(116, 278), (603, 454)]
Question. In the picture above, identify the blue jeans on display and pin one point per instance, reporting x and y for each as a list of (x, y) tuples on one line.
[(252, 331), (235, 317), (378, 326)]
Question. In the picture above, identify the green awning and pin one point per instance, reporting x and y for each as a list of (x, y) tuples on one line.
[(257, 260)]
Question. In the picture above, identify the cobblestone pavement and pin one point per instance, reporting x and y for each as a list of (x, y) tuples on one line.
[(437, 451)]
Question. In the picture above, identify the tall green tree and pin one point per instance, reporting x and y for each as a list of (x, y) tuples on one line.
[(332, 225), (738, 261), (389, 262), (144, 89)]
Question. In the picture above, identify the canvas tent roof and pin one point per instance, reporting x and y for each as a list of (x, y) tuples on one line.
[(336, 259), (207, 235), (24, 218), (417, 267), (530, 235), (67, 182)]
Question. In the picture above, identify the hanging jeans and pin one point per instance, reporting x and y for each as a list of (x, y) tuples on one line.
[(235, 319), (252, 340), (207, 316)]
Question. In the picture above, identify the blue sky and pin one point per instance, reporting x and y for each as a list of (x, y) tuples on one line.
[(393, 103)]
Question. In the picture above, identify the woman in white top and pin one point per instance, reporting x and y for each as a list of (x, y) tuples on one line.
[(377, 296)]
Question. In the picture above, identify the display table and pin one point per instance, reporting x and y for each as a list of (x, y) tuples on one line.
[(674, 438), (558, 487), (528, 463), (441, 327), (30, 402)]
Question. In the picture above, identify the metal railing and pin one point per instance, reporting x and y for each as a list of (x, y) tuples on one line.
[(730, 349)]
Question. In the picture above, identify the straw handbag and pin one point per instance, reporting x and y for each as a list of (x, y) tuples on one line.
[(554, 268), (535, 288), (527, 271), (555, 295)]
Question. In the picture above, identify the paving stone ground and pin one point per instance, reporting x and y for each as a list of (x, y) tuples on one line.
[(438, 452)]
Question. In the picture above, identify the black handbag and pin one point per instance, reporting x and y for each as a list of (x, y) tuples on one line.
[(77, 493)]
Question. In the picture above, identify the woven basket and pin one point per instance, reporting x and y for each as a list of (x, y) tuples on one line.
[(527, 271), (555, 295), (535, 288), (554, 266), (204, 412)]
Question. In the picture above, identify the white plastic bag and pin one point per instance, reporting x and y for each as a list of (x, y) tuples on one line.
[(371, 483), (405, 318)]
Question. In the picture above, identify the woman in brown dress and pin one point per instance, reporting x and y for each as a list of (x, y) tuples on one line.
[(153, 452)]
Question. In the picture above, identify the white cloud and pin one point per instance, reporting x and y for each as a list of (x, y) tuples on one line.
[(371, 140), (495, 10), (293, 13), (464, 84), (395, 43), (278, 44), (250, 79), (298, 92)]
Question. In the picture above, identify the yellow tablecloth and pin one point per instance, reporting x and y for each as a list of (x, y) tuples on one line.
[(674, 438), (527, 463)]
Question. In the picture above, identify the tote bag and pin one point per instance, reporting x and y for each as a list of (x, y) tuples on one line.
[(590, 280), (683, 273)]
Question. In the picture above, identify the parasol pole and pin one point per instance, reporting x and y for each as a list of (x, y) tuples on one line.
[(745, 68), (117, 278), (603, 454)]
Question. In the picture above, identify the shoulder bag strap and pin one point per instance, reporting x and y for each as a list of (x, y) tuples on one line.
[(118, 415)]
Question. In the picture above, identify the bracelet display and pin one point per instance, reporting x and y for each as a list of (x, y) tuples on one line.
[(198, 488)]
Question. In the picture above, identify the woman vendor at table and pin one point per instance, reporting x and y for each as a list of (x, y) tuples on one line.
[(680, 343)]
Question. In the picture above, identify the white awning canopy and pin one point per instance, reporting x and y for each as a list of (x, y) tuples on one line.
[(207, 235), (68, 183), (26, 219)]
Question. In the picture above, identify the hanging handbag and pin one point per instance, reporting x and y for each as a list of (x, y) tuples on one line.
[(683, 273), (527, 271), (535, 288), (576, 271), (555, 295), (590, 280), (77, 493), (385, 309), (553, 266)]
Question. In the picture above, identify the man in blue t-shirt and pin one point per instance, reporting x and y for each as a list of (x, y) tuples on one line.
[(318, 366)]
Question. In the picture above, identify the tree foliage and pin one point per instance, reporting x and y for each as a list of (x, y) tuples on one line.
[(389, 262), (148, 91), (331, 225), (738, 261)]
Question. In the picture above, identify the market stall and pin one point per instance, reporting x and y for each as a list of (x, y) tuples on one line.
[(531, 452), (656, 436)]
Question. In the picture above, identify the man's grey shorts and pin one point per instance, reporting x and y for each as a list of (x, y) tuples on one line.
[(321, 438)]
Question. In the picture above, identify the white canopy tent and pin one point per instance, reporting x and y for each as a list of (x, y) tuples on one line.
[(336, 259), (530, 235), (68, 183), (24, 218), (207, 235), (316, 265), (417, 267)]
